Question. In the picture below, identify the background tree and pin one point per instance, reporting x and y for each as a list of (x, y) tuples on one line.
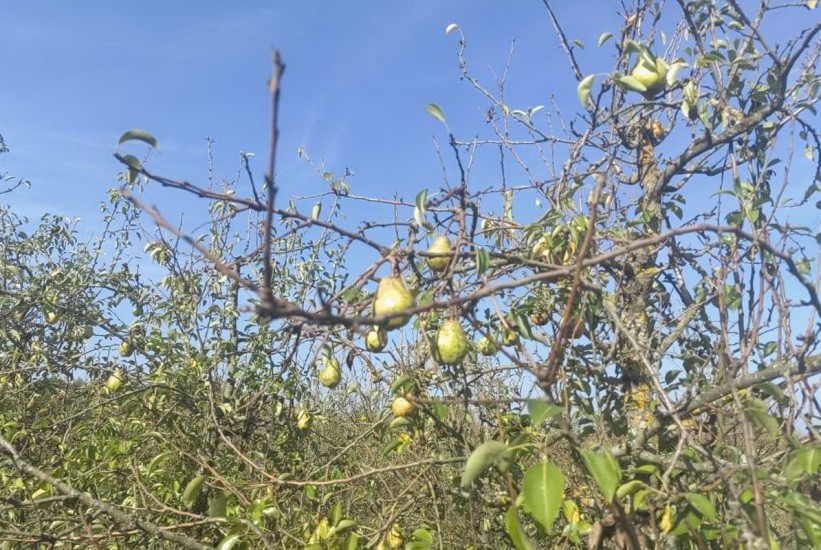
[(615, 345)]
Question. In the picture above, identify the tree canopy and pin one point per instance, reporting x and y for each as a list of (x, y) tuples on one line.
[(612, 345)]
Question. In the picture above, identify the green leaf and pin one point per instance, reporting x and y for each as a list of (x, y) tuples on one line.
[(756, 411), (344, 525), (422, 200), (702, 505), (351, 542), (806, 460), (605, 470), (138, 135), (540, 409), (630, 487), (583, 90), (436, 112), (481, 459), (514, 530), (192, 491), (605, 36), (630, 83), (482, 260), (542, 487), (450, 28), (228, 542)]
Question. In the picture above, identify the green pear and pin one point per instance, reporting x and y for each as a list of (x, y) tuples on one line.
[(393, 296), (330, 375), (440, 246), (376, 339), (451, 343)]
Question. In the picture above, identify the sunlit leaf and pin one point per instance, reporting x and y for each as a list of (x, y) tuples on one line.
[(436, 112), (450, 28), (605, 36), (138, 135), (583, 89), (542, 487)]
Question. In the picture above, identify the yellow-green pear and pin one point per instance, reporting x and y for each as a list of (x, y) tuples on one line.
[(330, 375), (440, 246), (487, 346), (376, 338), (451, 343), (115, 381), (393, 296)]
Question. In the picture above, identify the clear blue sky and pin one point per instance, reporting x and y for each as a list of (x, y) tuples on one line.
[(359, 74)]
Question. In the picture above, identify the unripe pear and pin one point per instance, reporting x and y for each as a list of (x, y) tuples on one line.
[(440, 246), (487, 346), (376, 339), (451, 343), (126, 349), (511, 337), (330, 376), (392, 296), (540, 317), (304, 419), (115, 381)]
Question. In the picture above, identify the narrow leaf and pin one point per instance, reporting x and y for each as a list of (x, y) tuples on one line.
[(583, 89), (228, 542), (514, 530), (605, 36), (450, 28), (481, 459), (192, 491), (542, 487), (436, 112), (138, 135)]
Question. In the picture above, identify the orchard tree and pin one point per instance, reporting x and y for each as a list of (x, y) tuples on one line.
[(613, 346)]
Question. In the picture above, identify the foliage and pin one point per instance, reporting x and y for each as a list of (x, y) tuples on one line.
[(649, 373)]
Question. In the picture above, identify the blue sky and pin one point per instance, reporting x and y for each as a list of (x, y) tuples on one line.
[(358, 78)]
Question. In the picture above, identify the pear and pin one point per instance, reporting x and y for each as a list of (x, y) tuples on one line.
[(115, 381), (487, 347), (440, 246), (126, 349), (392, 296), (540, 317), (511, 337), (402, 407), (304, 419), (451, 343), (330, 376), (376, 338)]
